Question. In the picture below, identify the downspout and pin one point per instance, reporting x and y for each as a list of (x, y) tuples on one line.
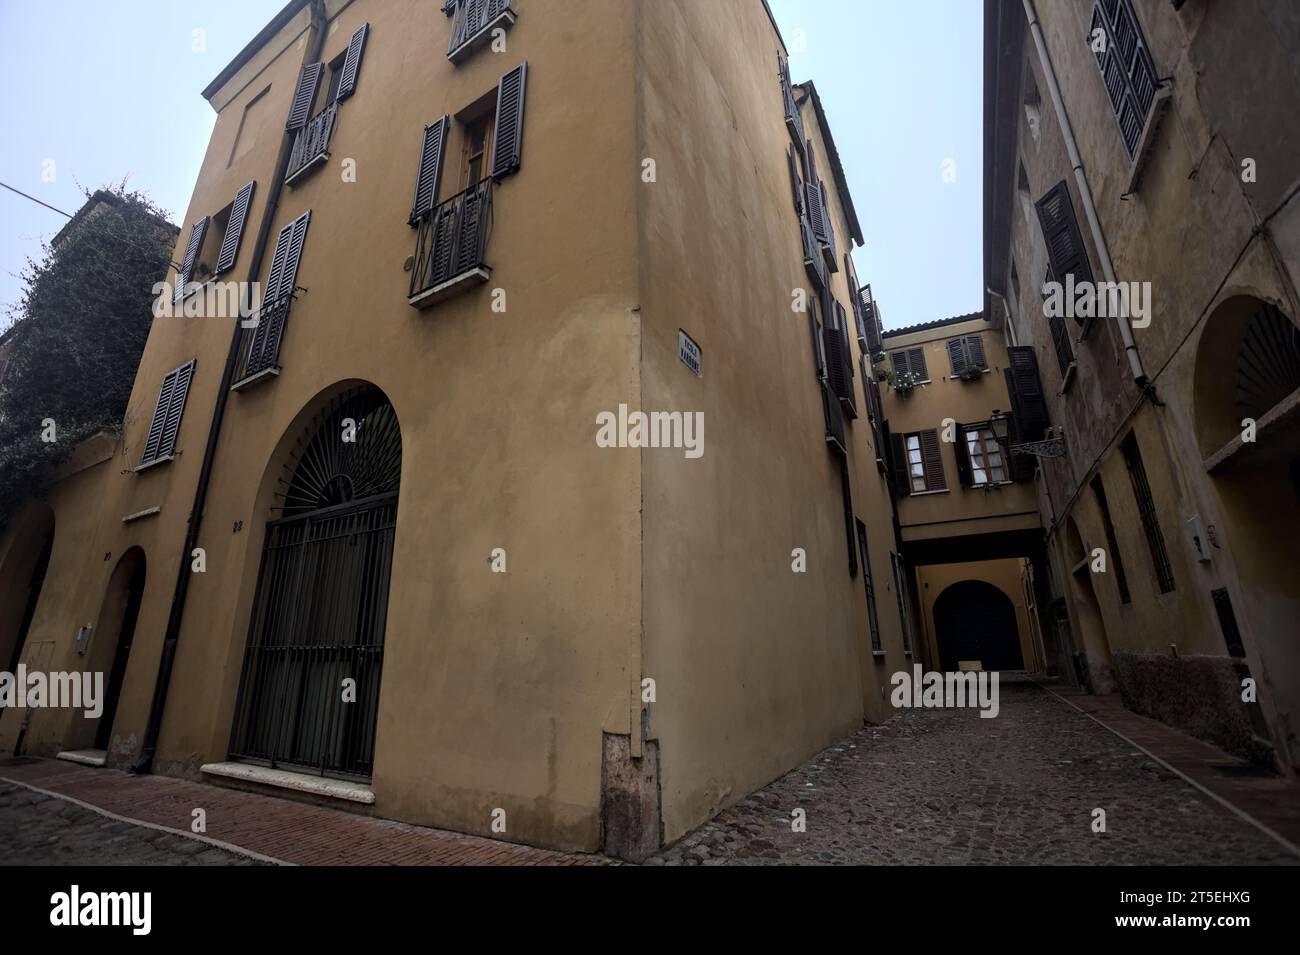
[(1085, 193), (144, 761)]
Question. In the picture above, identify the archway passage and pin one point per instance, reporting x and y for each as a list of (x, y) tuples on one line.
[(111, 643), (309, 691), (975, 621)]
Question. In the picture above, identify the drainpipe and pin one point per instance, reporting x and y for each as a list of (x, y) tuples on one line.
[(1085, 193), (144, 761)]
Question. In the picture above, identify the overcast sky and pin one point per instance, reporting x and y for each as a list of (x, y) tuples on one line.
[(97, 91)]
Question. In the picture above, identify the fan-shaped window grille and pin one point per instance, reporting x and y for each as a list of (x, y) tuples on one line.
[(1268, 364), (351, 452)]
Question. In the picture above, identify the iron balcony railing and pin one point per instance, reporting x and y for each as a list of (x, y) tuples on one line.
[(263, 352), (451, 238), (312, 144), (472, 20)]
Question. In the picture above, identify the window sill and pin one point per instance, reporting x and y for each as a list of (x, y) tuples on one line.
[(924, 493), (983, 371), (272, 372), (146, 465), (453, 286), (878, 653), (307, 167), (988, 485), (298, 782), (140, 515)]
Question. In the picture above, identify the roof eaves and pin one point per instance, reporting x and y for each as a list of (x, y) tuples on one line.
[(837, 168), (287, 13)]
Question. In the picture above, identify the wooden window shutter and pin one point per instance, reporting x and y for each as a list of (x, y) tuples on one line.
[(507, 149), (165, 424), (192, 245), (816, 210), (964, 473), (818, 360), (1028, 404), (830, 229), (293, 255), (795, 185), (304, 96), (1065, 249), (271, 292), (352, 63), (878, 427), (934, 479), (910, 360), (898, 463), (871, 318), (426, 182), (975, 352), (839, 368), (957, 354), (235, 228)]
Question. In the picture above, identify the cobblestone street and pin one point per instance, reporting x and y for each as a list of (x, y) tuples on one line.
[(36, 829), (944, 786)]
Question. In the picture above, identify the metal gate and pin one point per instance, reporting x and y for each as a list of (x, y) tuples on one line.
[(309, 690)]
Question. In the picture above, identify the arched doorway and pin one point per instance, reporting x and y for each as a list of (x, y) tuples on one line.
[(309, 689), (975, 621), (22, 576), (1247, 403), (110, 641)]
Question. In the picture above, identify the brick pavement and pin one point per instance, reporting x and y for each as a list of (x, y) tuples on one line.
[(281, 829)]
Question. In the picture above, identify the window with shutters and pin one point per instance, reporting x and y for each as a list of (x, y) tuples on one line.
[(924, 462), (313, 112), (985, 458), (260, 358), (473, 23), (1127, 71), (1146, 504), (212, 246), (452, 234), (1066, 255), (839, 358), (873, 617), (900, 592), (165, 425), (966, 356), (910, 361)]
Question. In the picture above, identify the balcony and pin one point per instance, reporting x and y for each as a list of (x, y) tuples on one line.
[(261, 359), (449, 245), (311, 148), (472, 24)]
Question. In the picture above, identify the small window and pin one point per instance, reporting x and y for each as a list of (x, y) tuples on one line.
[(910, 361), (987, 459), (924, 466), (966, 356), (476, 148), (205, 264)]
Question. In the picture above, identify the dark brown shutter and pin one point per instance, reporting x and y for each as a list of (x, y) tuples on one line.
[(175, 408), (426, 183), (165, 424), (898, 463), (1028, 404), (235, 228), (271, 292), (871, 318), (878, 427), (1065, 249), (957, 354), (964, 472), (838, 372), (834, 420), (975, 352), (352, 63), (293, 254), (934, 479), (304, 96), (507, 149), (830, 231), (818, 360), (192, 245), (795, 185), (816, 208), (916, 363)]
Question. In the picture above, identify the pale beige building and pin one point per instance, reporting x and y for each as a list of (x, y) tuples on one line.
[(369, 545)]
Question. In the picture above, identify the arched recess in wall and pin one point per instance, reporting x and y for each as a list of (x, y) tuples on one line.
[(321, 602), (1091, 627), (976, 621), (109, 649), (1246, 390), (22, 577)]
